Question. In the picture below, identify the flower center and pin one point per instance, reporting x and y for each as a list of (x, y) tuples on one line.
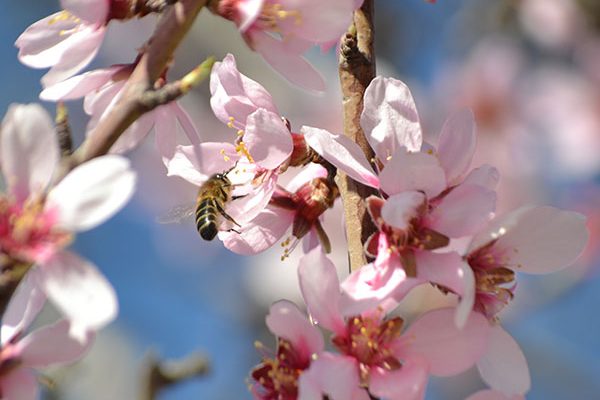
[(26, 231), (273, 15), (277, 377), (369, 340), (494, 282)]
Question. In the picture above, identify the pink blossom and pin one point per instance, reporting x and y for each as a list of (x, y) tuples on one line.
[(503, 366), (276, 377), (429, 195), (65, 41), (37, 221), (300, 207), (534, 240), (103, 88), (46, 346), (393, 365), (282, 31), (263, 149)]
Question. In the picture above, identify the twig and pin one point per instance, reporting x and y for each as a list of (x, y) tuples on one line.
[(63, 130), (356, 70), (160, 375)]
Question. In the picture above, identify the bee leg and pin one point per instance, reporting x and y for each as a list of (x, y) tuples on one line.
[(238, 197), (234, 230), (224, 214)]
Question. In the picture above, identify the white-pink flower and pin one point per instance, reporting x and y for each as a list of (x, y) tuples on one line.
[(262, 150), (533, 240), (392, 364), (300, 208), (283, 30), (65, 41), (428, 194), (37, 220), (103, 88), (21, 352), (298, 341)]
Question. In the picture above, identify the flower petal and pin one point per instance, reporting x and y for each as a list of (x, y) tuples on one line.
[(76, 52), (89, 10), (234, 95), (268, 139), (406, 383), (79, 291), (503, 366), (413, 171), (261, 233), (486, 176), (456, 145), (463, 211), (291, 65), (92, 193), (22, 309), (287, 322), (197, 163), (451, 271), (537, 240), (79, 85), (372, 285), (389, 118), (333, 375), (29, 151), (320, 288), (447, 349), (139, 129), (52, 345), (20, 384), (343, 153), (399, 209)]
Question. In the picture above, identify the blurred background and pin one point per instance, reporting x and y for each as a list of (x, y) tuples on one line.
[(530, 70)]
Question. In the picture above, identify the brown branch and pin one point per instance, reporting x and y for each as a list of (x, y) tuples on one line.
[(356, 70), (160, 375), (63, 129), (174, 90), (171, 29)]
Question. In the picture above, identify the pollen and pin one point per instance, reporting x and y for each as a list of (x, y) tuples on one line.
[(230, 123), (63, 16), (225, 157), (243, 150)]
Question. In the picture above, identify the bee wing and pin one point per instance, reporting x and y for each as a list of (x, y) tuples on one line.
[(177, 214)]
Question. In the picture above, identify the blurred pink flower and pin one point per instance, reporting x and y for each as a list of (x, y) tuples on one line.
[(282, 31), (65, 41), (103, 89), (534, 240), (46, 346), (37, 221)]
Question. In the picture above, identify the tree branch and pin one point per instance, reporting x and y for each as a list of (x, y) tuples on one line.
[(356, 70), (160, 375)]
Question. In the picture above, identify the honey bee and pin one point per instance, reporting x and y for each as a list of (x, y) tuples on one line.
[(210, 203), (211, 200)]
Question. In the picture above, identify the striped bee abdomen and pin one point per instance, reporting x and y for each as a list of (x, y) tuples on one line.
[(206, 218)]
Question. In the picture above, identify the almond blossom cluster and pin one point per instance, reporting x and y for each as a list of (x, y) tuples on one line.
[(434, 215)]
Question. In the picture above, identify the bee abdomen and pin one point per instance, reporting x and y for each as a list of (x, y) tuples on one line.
[(206, 219)]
